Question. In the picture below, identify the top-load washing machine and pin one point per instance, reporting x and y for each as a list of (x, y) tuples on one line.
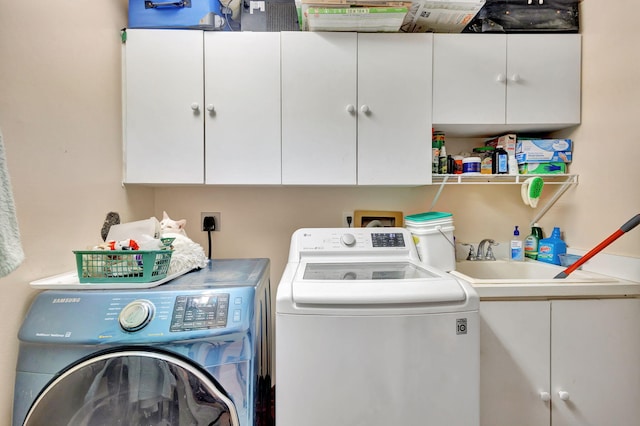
[(193, 351), (367, 335)]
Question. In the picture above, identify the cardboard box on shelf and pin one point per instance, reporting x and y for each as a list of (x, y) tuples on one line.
[(551, 168), (544, 157), (541, 145), (440, 16), (507, 141)]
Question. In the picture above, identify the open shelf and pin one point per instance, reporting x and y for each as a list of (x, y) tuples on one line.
[(565, 180), (558, 179)]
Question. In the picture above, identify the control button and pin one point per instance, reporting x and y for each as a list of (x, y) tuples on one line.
[(348, 240), (236, 315), (136, 315), (238, 301)]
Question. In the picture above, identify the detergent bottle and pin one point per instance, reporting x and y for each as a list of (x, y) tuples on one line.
[(550, 248), (532, 242)]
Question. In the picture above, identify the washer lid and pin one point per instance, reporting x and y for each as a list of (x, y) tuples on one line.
[(360, 283)]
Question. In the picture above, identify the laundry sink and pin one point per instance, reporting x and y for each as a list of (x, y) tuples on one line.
[(501, 279), (529, 271)]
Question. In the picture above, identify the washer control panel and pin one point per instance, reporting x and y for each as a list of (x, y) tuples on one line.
[(200, 312), (340, 240)]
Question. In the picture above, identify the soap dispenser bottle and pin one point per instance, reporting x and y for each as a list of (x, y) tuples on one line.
[(517, 250), (551, 247)]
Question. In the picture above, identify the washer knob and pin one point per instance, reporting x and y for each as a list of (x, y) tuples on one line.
[(136, 315), (348, 240)]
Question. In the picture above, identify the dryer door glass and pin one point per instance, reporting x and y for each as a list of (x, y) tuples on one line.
[(133, 388)]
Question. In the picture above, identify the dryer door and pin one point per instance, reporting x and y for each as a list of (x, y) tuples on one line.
[(132, 388)]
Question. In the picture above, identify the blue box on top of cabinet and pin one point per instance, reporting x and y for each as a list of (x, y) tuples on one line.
[(185, 14)]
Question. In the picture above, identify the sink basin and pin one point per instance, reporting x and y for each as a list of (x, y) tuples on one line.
[(501, 279), (527, 272)]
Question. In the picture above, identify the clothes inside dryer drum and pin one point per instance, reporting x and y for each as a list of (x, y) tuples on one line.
[(132, 388)]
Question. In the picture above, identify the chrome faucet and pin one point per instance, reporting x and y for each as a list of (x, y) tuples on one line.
[(481, 255), (471, 255)]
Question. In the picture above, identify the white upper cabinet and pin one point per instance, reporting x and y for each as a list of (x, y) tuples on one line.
[(394, 109), (202, 107), (497, 82), (163, 107), (313, 108), (242, 97), (319, 101), (356, 108)]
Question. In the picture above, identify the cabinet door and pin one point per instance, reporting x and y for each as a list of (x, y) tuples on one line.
[(543, 78), (469, 78), (596, 361), (514, 363), (394, 109), (318, 108), (163, 114), (242, 117)]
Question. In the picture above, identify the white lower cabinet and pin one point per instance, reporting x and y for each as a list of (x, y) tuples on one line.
[(560, 362)]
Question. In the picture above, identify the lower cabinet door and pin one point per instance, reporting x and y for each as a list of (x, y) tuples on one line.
[(514, 363)]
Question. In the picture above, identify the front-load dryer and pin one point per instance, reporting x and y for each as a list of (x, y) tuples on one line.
[(193, 351)]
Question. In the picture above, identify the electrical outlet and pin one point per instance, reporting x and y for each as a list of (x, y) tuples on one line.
[(215, 215), (345, 221)]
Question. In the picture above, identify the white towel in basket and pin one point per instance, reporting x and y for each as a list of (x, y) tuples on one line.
[(11, 254)]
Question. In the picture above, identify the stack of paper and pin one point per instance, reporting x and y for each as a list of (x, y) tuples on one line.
[(352, 15), (440, 16)]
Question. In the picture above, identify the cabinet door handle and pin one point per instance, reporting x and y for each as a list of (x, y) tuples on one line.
[(501, 78), (545, 396), (364, 109), (210, 108), (515, 78), (351, 108), (195, 106), (564, 395)]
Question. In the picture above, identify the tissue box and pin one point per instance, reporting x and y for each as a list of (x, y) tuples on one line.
[(542, 145), (544, 157), (542, 168), (194, 14)]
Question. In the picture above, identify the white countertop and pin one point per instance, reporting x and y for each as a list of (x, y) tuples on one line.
[(558, 290)]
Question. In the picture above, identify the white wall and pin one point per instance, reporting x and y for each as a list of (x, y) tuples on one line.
[(60, 116)]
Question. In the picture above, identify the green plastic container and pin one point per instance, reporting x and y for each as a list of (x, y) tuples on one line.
[(122, 266)]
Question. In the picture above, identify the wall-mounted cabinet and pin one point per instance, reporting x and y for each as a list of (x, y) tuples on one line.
[(163, 98), (201, 107), (560, 362), (489, 83), (356, 108), (308, 108)]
